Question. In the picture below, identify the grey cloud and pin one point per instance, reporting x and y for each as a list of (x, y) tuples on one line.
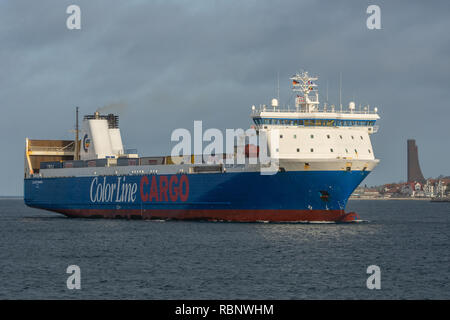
[(172, 62)]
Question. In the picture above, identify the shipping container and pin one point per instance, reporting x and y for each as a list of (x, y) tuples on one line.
[(251, 151), (127, 161), (91, 163), (74, 164), (180, 159), (50, 165), (98, 162), (111, 162), (210, 168), (144, 161), (214, 159)]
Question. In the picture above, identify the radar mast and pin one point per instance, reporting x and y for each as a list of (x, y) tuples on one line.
[(307, 99)]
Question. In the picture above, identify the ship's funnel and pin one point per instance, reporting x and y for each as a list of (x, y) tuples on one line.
[(101, 137)]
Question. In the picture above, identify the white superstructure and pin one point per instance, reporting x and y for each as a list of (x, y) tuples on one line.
[(100, 137), (310, 131)]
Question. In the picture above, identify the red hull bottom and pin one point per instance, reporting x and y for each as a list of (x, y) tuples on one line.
[(218, 215)]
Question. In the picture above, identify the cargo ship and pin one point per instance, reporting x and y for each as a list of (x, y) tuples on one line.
[(322, 152)]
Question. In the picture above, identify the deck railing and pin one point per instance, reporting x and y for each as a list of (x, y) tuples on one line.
[(294, 110), (67, 148)]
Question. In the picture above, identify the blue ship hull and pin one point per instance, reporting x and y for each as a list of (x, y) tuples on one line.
[(243, 196)]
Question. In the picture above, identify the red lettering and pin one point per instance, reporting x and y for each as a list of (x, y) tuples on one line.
[(173, 196), (153, 190), (163, 185), (144, 196), (184, 180)]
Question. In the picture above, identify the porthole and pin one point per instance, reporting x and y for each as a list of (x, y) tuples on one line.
[(369, 151), (295, 136), (312, 136), (340, 136), (331, 149), (281, 136), (328, 136), (346, 150), (298, 150), (312, 150), (353, 137), (361, 138)]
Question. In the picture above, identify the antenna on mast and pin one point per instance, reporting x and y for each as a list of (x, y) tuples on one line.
[(77, 153), (278, 91), (340, 90)]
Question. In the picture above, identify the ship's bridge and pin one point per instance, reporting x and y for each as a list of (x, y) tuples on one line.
[(265, 118), (308, 112), (309, 130)]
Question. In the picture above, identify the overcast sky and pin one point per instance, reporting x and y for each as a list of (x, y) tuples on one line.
[(172, 62)]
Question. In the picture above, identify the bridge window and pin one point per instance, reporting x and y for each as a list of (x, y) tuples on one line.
[(314, 122)]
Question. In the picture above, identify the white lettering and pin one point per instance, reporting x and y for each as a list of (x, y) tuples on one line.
[(74, 20), (112, 192), (74, 280), (94, 181), (374, 281), (374, 20)]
